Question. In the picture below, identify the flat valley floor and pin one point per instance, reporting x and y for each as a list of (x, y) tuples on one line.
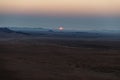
[(59, 60)]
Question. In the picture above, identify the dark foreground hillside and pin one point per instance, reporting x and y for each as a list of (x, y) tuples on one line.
[(31, 61)]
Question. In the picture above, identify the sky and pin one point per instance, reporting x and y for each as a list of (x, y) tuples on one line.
[(67, 13), (61, 7)]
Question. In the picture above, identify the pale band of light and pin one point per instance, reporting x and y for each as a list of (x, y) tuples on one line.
[(64, 7)]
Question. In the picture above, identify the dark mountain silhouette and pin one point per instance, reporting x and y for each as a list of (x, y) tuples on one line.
[(11, 32), (6, 32), (50, 31)]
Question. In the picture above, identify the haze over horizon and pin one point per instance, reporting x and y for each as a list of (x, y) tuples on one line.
[(71, 14)]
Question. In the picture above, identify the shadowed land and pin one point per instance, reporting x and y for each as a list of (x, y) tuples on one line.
[(6, 74), (45, 60)]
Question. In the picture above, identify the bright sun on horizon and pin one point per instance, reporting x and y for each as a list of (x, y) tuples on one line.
[(61, 28)]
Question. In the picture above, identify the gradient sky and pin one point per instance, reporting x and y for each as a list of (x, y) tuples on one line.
[(61, 7), (51, 11)]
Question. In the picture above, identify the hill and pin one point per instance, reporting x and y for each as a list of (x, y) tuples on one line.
[(8, 33)]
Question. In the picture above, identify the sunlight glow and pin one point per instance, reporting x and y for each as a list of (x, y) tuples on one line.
[(61, 28)]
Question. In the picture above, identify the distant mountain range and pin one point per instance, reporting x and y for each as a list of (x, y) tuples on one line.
[(41, 32), (28, 29), (6, 32)]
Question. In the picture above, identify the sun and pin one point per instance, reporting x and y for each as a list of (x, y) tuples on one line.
[(61, 28)]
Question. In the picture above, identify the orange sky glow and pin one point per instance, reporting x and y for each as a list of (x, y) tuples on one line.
[(61, 7)]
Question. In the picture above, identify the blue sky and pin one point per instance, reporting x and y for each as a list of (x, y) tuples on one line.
[(71, 14), (69, 23)]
